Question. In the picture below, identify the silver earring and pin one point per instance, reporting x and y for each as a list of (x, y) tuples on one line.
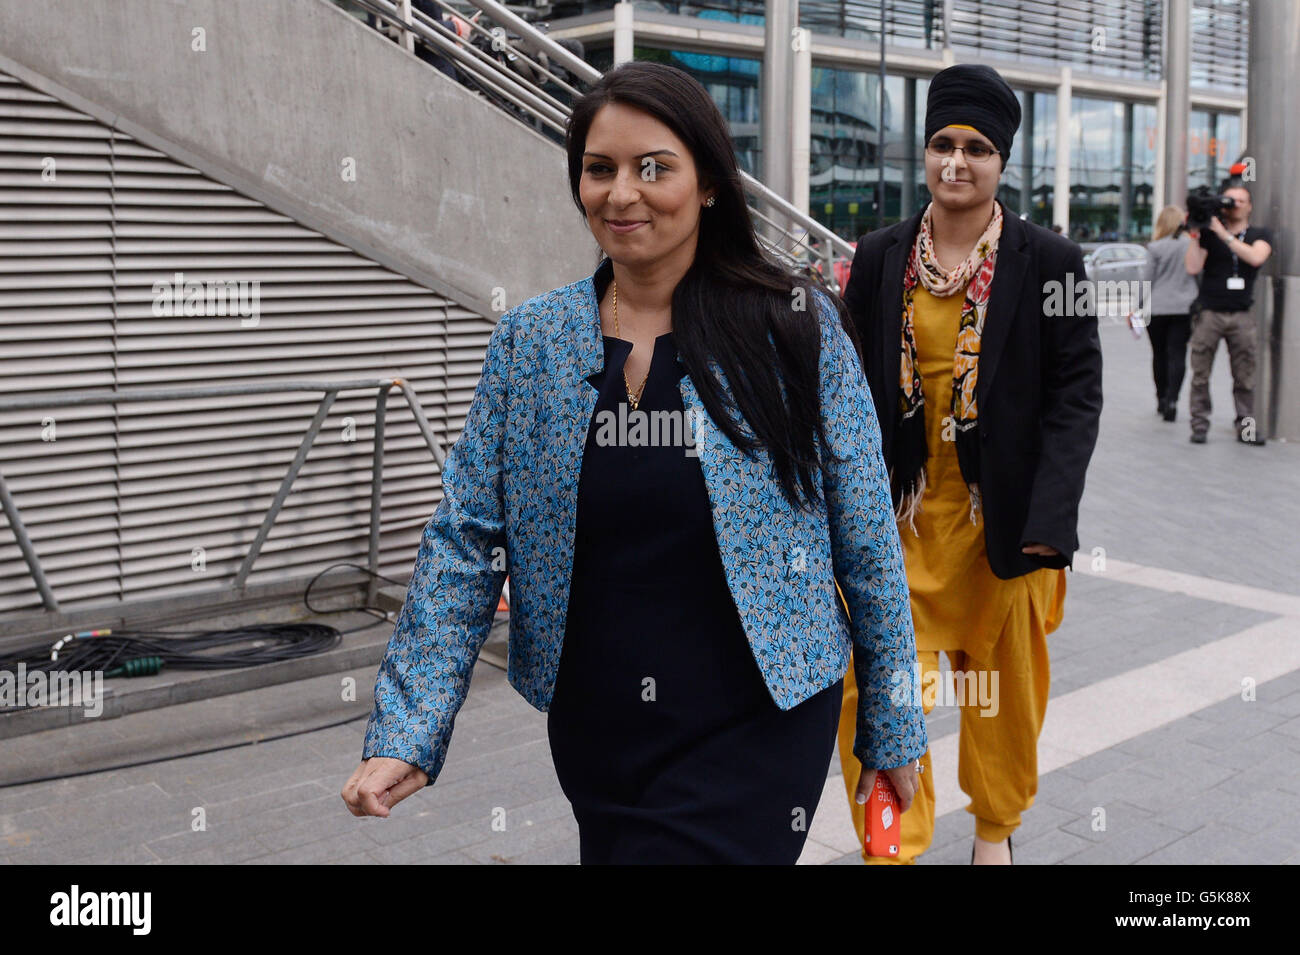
[(709, 201)]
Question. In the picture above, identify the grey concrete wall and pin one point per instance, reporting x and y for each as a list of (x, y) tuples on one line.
[(447, 190)]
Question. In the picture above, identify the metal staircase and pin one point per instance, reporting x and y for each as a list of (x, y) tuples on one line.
[(515, 65)]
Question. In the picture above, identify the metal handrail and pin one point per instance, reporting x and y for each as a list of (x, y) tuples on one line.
[(575, 65), (526, 96), (540, 105), (330, 391)]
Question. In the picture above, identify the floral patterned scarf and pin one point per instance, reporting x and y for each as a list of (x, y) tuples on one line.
[(975, 275)]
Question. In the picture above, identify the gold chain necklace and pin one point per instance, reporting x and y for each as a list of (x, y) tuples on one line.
[(632, 399)]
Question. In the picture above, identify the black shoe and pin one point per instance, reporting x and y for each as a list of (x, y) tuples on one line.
[(1171, 412), (1198, 437)]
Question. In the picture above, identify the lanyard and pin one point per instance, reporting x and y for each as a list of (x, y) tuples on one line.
[(1240, 236)]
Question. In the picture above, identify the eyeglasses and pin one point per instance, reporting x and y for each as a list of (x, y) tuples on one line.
[(974, 152)]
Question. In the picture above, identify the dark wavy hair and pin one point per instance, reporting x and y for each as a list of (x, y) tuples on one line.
[(734, 304)]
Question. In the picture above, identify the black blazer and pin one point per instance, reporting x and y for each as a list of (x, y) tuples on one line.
[(1039, 389)]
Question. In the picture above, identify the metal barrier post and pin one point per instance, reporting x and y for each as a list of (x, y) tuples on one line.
[(376, 490), (25, 545), (308, 439), (330, 391), (404, 14)]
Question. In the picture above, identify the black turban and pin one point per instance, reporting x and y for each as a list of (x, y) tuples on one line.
[(970, 94)]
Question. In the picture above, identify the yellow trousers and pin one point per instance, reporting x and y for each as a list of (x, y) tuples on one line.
[(997, 757)]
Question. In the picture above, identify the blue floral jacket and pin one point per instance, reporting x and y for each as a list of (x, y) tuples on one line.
[(510, 489)]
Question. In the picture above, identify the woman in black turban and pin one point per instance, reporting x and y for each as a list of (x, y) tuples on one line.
[(986, 377)]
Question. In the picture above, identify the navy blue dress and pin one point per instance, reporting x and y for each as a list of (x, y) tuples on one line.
[(665, 738)]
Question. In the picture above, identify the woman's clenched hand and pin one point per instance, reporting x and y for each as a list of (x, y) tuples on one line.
[(380, 783)]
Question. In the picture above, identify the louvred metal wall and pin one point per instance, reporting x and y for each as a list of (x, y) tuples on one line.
[(119, 500)]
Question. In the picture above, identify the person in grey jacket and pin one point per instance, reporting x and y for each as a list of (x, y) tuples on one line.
[(1172, 294)]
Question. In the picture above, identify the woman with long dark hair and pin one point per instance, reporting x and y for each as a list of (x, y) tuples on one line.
[(985, 369), (674, 601)]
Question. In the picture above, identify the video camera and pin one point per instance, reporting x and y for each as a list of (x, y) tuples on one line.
[(1203, 204)]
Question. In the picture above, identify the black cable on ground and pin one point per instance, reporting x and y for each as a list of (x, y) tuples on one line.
[(145, 652), (126, 650), (374, 611)]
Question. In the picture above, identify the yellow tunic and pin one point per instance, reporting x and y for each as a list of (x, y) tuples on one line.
[(981, 622), (958, 603)]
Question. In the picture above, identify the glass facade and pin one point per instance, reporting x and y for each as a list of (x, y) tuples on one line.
[(1113, 143), (1100, 36), (1213, 145), (1113, 148), (844, 174), (1220, 38), (1146, 142), (909, 23), (1112, 169), (1038, 130), (732, 81), (1120, 37)]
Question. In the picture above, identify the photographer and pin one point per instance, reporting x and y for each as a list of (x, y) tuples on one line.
[(1226, 254)]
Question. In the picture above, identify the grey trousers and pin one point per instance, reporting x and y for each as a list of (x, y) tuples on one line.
[(1238, 329)]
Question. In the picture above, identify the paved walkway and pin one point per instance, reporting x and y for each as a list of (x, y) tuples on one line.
[(1185, 586)]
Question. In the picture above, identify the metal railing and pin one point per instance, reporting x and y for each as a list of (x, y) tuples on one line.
[(330, 391), (519, 68)]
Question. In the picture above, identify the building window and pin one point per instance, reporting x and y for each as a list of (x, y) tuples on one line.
[(1146, 142), (732, 82), (1041, 139), (1219, 58), (844, 168), (1213, 145), (1099, 35)]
